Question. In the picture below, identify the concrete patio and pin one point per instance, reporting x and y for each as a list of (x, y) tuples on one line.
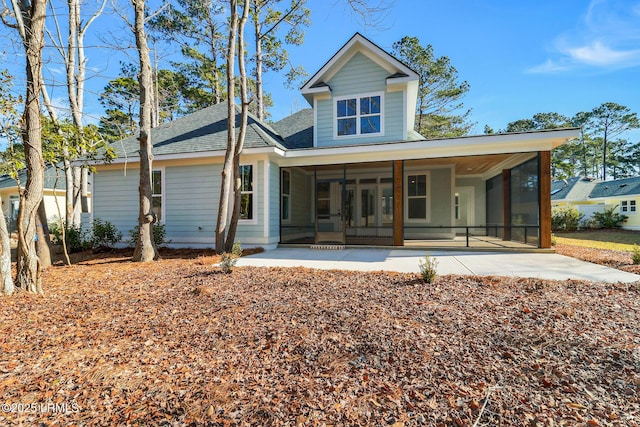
[(537, 265)]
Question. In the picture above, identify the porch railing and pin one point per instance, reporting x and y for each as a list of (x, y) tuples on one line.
[(469, 236), (527, 234)]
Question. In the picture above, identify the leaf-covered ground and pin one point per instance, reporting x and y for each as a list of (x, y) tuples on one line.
[(178, 343), (620, 260)]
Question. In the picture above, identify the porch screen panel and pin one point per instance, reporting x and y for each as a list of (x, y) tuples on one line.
[(525, 202), (297, 226), (368, 207), (494, 206)]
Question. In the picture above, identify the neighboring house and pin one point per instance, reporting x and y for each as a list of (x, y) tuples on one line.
[(10, 195), (349, 170), (590, 196)]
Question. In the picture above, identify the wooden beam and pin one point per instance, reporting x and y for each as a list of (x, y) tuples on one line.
[(506, 204), (545, 199), (398, 205)]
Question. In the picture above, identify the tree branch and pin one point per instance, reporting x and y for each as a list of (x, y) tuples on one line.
[(285, 16)]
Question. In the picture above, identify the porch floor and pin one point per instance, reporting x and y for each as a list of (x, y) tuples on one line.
[(459, 243), (475, 242)]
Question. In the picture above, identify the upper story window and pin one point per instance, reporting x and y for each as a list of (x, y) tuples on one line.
[(358, 115)]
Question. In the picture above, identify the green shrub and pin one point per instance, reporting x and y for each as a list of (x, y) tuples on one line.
[(554, 240), (609, 218), (565, 218), (229, 260), (159, 235), (76, 238), (428, 266), (105, 234), (635, 254), (589, 224)]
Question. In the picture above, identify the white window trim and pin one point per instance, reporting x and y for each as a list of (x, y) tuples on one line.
[(163, 195), (625, 206), (254, 192), (428, 198), (283, 195), (357, 97)]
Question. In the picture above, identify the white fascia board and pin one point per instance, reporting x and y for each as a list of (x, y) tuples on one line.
[(357, 43), (401, 80), (187, 156), (456, 147)]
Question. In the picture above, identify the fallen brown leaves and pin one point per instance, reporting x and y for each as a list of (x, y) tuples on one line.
[(178, 343), (615, 259)]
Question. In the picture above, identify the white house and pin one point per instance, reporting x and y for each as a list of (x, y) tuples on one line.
[(349, 170)]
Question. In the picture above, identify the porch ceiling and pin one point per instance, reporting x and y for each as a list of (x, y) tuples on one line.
[(468, 165), (464, 165)]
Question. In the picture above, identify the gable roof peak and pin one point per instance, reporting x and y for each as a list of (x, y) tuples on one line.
[(356, 44)]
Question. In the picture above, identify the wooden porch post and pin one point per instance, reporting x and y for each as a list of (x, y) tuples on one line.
[(506, 204), (544, 165), (398, 211)]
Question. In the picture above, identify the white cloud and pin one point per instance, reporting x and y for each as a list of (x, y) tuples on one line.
[(597, 54), (548, 67), (606, 38)]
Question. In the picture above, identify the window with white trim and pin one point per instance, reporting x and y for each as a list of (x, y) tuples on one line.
[(359, 115), (156, 197), (246, 192), (285, 204), (417, 197), (628, 206)]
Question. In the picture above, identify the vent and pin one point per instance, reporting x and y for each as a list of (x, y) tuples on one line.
[(327, 247)]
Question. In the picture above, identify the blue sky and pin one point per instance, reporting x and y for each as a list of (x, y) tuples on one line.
[(519, 57)]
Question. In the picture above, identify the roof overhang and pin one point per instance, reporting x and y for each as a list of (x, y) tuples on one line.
[(510, 143), (426, 149)]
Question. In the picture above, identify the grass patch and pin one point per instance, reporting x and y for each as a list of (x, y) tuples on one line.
[(616, 240)]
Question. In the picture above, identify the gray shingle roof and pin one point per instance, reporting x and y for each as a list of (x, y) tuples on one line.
[(204, 130), (297, 129), (573, 189), (49, 179), (618, 187), (560, 189)]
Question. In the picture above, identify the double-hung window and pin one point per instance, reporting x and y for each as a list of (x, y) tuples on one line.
[(246, 191), (417, 197), (156, 197), (628, 206), (359, 115)]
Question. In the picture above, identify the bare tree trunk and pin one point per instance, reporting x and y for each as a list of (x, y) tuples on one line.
[(227, 169), (6, 287), (43, 244), (259, 61), (28, 265), (77, 208), (145, 246), (239, 144), (217, 86)]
